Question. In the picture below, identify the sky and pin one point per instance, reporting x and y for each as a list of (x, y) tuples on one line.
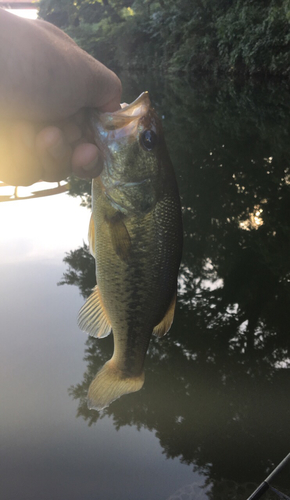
[(28, 13), (58, 221)]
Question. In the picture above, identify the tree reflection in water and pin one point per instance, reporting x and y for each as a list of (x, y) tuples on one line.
[(216, 391)]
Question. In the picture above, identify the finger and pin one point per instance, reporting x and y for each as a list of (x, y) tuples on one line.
[(112, 105), (18, 162), (72, 132), (54, 154), (87, 161), (105, 89), (73, 127)]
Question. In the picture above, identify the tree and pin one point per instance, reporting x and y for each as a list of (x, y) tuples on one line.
[(180, 36), (81, 270)]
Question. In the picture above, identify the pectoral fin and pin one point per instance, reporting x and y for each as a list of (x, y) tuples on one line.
[(164, 325), (120, 237), (93, 318)]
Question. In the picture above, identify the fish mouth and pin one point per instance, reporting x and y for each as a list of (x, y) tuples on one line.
[(127, 113), (125, 121)]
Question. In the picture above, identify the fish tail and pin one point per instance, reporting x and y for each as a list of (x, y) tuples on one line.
[(110, 384)]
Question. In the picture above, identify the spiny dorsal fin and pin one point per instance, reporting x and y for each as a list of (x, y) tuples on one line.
[(93, 318), (91, 237), (164, 325), (120, 237)]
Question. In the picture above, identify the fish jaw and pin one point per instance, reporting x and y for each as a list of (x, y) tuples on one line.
[(111, 128), (123, 121)]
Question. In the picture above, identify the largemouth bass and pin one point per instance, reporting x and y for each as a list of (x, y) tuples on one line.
[(135, 236)]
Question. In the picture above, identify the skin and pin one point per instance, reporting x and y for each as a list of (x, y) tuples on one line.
[(47, 85)]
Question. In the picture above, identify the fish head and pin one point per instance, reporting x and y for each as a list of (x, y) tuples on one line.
[(131, 141)]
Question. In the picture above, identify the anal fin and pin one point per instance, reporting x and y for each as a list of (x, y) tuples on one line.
[(164, 325), (93, 318)]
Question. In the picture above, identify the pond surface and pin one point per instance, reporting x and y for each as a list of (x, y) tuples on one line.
[(214, 410)]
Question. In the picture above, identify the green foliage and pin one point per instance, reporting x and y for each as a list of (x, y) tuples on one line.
[(180, 36), (255, 38), (82, 188), (66, 13), (62, 13)]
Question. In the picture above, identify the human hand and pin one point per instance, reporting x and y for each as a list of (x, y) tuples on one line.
[(47, 85)]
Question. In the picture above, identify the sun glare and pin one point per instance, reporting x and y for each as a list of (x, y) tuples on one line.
[(254, 220)]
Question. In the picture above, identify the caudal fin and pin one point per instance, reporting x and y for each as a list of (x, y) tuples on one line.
[(109, 384)]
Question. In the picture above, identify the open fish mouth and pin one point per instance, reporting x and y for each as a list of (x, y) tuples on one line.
[(124, 122), (127, 113)]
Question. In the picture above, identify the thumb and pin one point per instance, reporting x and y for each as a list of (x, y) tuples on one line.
[(104, 89)]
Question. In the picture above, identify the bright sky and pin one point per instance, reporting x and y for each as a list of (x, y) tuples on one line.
[(29, 13), (41, 227)]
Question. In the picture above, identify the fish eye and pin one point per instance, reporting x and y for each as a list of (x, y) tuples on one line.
[(148, 139)]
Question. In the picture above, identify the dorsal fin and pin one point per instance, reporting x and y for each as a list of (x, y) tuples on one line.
[(164, 325), (93, 318)]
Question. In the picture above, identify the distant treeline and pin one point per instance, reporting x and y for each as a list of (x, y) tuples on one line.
[(209, 36)]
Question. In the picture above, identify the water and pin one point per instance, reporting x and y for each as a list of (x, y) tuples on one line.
[(214, 409)]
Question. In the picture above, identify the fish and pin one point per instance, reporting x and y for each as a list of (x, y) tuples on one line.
[(135, 236)]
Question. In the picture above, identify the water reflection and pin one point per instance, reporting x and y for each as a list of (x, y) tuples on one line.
[(217, 387)]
